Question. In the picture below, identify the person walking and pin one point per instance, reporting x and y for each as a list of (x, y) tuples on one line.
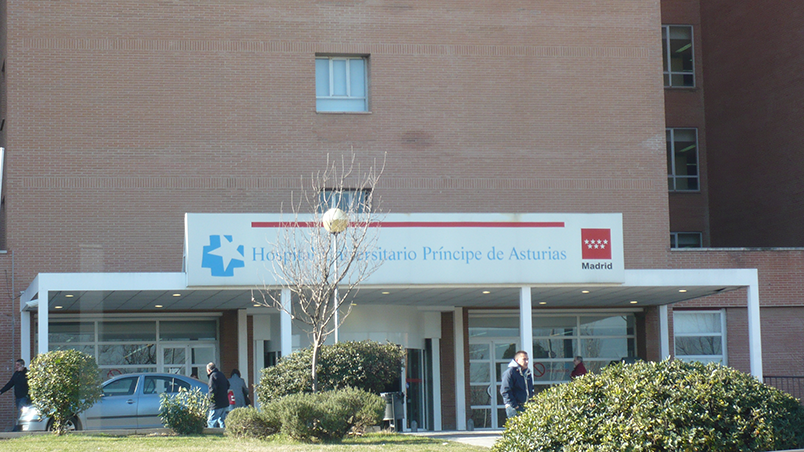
[(19, 381), (218, 395), (579, 368), (517, 384), (239, 388)]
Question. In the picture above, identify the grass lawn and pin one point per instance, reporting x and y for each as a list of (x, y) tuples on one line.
[(218, 443)]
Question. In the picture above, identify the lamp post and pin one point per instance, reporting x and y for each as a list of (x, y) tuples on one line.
[(335, 221)]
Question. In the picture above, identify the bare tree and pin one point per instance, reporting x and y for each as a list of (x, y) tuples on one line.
[(323, 268)]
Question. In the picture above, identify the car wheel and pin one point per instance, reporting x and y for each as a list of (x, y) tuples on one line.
[(72, 424)]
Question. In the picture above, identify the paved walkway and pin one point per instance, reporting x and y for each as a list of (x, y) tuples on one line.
[(483, 438)]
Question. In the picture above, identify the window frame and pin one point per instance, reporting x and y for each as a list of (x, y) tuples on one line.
[(672, 177), (348, 82), (674, 239), (667, 60), (722, 334), (346, 200)]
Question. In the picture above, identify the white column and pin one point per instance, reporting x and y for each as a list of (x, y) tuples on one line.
[(42, 320), (526, 321), (242, 342), (460, 372), (436, 344), (754, 332), (25, 337), (664, 333), (285, 324)]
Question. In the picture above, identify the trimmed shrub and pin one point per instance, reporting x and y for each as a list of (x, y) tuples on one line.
[(63, 383), (326, 416), (671, 405), (248, 422), (185, 412), (366, 365)]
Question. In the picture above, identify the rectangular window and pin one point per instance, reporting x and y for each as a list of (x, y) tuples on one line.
[(682, 160), (700, 336), (348, 200), (686, 240), (341, 84), (678, 56)]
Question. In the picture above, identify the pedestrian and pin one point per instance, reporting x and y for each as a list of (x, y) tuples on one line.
[(579, 368), (19, 381), (238, 386), (517, 384), (218, 397)]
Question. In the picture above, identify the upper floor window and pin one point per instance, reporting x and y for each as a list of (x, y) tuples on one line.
[(341, 84), (678, 56), (686, 240), (682, 160), (348, 200), (700, 336)]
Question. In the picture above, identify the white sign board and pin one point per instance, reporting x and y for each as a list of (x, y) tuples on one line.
[(424, 249)]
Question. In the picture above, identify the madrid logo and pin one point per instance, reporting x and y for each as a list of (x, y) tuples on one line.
[(596, 245), (222, 255)]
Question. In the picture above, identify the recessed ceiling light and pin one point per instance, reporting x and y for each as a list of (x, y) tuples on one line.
[(584, 291), (176, 294), (256, 305), (542, 302), (386, 293), (56, 307), (69, 295), (633, 302), (486, 291), (158, 306), (682, 290)]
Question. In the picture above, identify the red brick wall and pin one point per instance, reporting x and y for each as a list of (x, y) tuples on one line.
[(228, 342), (447, 353), (9, 338)]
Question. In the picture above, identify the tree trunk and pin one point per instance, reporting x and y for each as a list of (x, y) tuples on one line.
[(314, 364)]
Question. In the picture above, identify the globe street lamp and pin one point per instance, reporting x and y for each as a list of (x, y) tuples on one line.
[(335, 221)]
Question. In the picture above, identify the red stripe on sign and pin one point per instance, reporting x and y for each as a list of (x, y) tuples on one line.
[(421, 224)]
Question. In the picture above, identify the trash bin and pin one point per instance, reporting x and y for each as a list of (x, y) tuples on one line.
[(394, 411)]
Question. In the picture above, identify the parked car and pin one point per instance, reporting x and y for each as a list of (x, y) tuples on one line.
[(129, 401)]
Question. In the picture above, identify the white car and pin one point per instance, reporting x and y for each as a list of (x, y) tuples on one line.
[(129, 401)]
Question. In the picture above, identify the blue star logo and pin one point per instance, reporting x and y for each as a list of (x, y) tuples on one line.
[(222, 256)]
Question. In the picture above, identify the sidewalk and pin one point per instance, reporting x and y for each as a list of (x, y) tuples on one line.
[(483, 438)]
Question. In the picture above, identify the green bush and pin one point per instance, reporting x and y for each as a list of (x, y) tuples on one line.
[(365, 365), (63, 383), (326, 416), (664, 406), (185, 412), (248, 422)]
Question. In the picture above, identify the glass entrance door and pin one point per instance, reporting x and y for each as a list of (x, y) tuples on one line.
[(488, 359), (183, 359)]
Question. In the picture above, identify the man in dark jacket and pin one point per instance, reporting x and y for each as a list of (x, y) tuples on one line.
[(218, 395), (517, 384), (19, 381)]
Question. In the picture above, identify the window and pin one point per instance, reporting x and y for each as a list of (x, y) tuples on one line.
[(682, 159), (341, 84), (678, 56), (686, 240), (700, 336), (348, 200)]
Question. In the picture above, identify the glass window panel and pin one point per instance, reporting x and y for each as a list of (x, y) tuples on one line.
[(701, 359), (605, 348), (616, 325), (501, 417), (340, 105), (108, 372), (696, 323), (479, 351), (71, 332), (339, 78), (126, 331), (546, 371), (688, 240), (203, 355), (553, 348), (173, 355), (322, 77), (161, 385), (88, 349), (129, 354), (482, 417), (699, 345), (479, 395), (123, 386), (357, 77), (479, 372), (504, 351), (554, 326), (200, 330)]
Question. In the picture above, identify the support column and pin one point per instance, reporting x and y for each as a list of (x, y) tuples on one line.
[(43, 320), (460, 372), (754, 331), (526, 321), (436, 345), (285, 324), (242, 342), (25, 337), (664, 333)]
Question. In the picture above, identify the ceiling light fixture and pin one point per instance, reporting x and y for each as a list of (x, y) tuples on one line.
[(682, 290), (56, 307), (176, 294), (584, 291), (69, 295), (158, 306), (386, 293), (633, 302), (486, 292), (542, 302)]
